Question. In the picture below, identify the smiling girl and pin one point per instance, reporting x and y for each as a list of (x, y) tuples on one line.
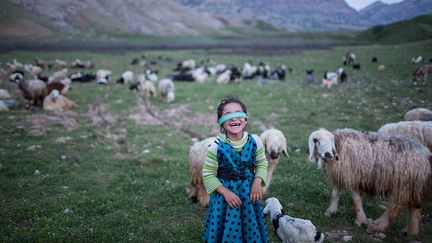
[(234, 172)]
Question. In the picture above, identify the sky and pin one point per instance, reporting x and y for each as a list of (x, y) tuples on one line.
[(359, 4)]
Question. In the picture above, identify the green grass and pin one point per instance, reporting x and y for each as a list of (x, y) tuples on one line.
[(102, 192), (416, 29)]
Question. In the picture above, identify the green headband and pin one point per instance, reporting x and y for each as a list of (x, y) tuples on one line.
[(228, 116)]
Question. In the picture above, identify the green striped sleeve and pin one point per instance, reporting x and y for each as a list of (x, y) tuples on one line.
[(261, 161), (210, 168)]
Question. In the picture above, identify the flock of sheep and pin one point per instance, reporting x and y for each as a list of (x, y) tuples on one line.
[(394, 163)]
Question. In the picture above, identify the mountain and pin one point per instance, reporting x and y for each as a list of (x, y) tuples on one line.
[(416, 29), (292, 15), (118, 17), (380, 13)]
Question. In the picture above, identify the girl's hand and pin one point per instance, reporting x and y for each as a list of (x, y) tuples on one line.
[(256, 190), (230, 197)]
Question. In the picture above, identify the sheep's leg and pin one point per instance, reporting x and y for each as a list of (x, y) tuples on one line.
[(333, 208), (387, 217), (414, 216), (358, 207)]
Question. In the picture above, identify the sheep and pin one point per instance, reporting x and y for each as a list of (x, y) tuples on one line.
[(342, 75), (309, 76), (381, 67), (225, 77), (330, 78), (147, 89), (56, 101), (197, 155), (279, 73), (199, 75), (166, 90), (151, 75), (61, 63), (82, 77), (59, 75), (275, 144), (16, 77), (186, 65), (370, 163), (289, 229), (102, 76), (421, 114), (33, 90), (422, 73), (248, 71), (349, 58), (418, 130), (3, 106), (417, 60), (126, 77), (356, 66), (34, 71), (374, 59)]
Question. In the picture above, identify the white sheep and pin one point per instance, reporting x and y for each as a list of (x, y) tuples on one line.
[(151, 75), (199, 75), (274, 143), (224, 77), (34, 71), (166, 90), (289, 229), (147, 89), (370, 163), (61, 63), (59, 75), (56, 101), (421, 114), (197, 154), (126, 77), (418, 130), (186, 65)]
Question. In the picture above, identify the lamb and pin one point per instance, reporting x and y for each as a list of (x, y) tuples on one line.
[(421, 114), (56, 101), (418, 130), (197, 155), (126, 77), (166, 90), (33, 90), (289, 229), (275, 144), (369, 163)]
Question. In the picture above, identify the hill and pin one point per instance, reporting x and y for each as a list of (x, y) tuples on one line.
[(416, 29)]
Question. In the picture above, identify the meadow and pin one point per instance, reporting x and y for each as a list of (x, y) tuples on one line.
[(112, 170)]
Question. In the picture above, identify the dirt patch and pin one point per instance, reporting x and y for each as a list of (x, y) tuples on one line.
[(99, 117), (38, 123)]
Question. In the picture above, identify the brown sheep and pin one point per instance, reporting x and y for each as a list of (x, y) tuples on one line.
[(394, 167), (420, 114), (33, 90), (197, 155)]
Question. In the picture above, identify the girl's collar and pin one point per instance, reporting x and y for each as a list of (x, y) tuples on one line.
[(226, 139)]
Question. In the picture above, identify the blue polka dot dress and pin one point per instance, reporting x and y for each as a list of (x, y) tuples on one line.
[(242, 224)]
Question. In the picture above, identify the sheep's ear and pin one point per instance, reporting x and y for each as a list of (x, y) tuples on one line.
[(285, 152), (312, 149), (266, 209)]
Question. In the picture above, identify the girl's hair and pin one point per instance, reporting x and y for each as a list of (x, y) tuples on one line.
[(227, 100)]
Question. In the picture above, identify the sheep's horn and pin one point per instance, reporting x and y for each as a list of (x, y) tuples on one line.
[(285, 153)]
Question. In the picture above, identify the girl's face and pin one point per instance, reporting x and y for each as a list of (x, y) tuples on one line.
[(235, 126)]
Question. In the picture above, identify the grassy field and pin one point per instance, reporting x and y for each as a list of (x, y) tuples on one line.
[(95, 185)]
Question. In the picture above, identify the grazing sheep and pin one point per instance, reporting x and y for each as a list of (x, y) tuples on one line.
[(186, 65), (61, 63), (418, 130), (422, 73), (356, 66), (349, 58), (126, 77), (56, 101), (417, 60), (374, 59), (166, 90), (309, 76), (197, 155), (83, 77), (103, 76), (16, 77), (342, 75), (151, 75), (147, 89), (33, 90), (199, 75), (394, 167), (289, 229), (275, 144), (330, 79), (381, 67), (248, 71), (279, 73), (420, 114)]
